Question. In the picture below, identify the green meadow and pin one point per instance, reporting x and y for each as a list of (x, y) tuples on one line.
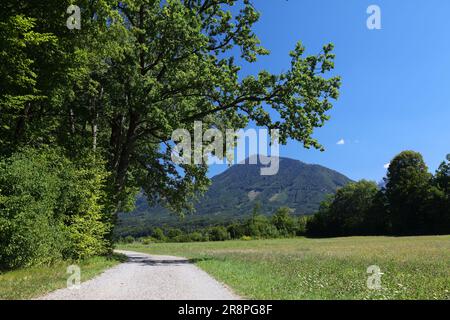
[(335, 268)]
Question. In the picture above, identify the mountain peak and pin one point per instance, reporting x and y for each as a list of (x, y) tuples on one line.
[(260, 159), (233, 193)]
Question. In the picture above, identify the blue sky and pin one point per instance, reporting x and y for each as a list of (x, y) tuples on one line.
[(396, 81)]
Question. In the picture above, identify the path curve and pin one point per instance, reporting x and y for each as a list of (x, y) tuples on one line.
[(148, 277)]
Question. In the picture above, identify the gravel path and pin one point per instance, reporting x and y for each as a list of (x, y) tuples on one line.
[(148, 277)]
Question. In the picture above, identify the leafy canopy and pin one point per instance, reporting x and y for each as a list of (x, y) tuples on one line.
[(137, 70)]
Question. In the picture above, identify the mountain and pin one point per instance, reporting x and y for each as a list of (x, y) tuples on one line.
[(233, 194)]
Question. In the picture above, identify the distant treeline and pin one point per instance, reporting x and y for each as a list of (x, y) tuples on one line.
[(411, 202), (281, 224)]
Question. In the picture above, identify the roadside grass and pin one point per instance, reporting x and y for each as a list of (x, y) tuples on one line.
[(301, 268), (33, 282)]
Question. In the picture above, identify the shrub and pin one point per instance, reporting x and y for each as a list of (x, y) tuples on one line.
[(174, 233), (88, 225), (158, 234), (147, 241), (128, 239), (218, 233), (196, 237), (31, 230), (50, 209), (236, 230)]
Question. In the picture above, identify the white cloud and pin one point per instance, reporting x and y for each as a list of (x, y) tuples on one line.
[(386, 166), (341, 142)]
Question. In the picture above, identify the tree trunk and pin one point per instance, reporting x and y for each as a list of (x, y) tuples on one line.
[(20, 125), (72, 121), (125, 153), (115, 140), (94, 124)]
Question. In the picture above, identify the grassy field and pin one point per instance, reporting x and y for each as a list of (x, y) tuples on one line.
[(412, 267), (36, 281)]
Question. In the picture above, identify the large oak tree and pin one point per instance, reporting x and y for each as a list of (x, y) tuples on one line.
[(139, 69)]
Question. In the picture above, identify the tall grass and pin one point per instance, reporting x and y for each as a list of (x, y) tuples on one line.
[(300, 268)]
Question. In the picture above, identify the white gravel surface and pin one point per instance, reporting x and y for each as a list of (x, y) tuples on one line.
[(148, 277)]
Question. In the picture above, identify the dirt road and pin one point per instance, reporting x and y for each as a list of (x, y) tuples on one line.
[(148, 277)]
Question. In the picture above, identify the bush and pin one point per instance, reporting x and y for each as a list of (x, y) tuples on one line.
[(158, 234), (147, 241), (196, 237), (218, 233), (88, 225), (174, 233), (31, 230), (128, 239), (236, 230), (49, 209)]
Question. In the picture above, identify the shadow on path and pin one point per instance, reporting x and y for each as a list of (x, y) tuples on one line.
[(154, 261)]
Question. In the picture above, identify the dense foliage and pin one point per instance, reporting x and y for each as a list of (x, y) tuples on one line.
[(413, 202), (50, 209), (86, 115)]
